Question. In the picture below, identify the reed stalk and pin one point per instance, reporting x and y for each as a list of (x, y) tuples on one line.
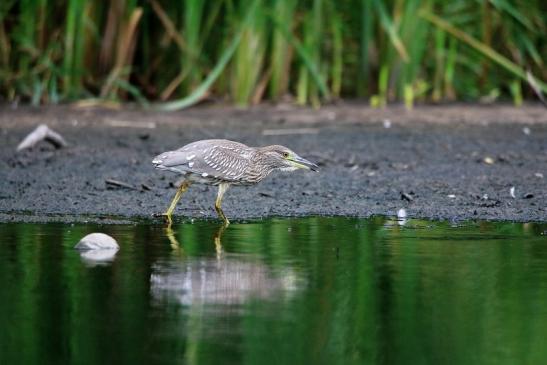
[(248, 51)]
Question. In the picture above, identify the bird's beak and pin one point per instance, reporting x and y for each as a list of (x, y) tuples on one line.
[(302, 163)]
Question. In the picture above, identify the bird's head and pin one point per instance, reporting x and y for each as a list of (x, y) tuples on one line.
[(284, 159)]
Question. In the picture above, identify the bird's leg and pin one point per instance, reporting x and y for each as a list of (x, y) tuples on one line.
[(221, 190), (218, 240), (182, 188), (172, 239)]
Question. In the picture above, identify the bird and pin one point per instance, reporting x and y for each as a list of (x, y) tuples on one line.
[(224, 163)]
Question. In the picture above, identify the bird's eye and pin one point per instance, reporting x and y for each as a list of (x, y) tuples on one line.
[(285, 154)]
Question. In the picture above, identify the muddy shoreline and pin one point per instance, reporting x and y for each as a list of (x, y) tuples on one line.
[(456, 162)]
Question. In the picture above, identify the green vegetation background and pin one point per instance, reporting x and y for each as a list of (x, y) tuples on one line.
[(248, 51)]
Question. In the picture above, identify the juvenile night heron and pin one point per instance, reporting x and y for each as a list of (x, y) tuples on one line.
[(223, 163)]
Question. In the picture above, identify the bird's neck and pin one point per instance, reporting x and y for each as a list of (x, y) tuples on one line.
[(263, 164)]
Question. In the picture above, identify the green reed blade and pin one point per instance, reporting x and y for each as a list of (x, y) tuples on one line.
[(414, 32), (508, 8), (73, 46), (389, 27), (308, 63), (202, 89), (383, 81), (450, 69), (193, 14), (280, 50), (365, 39), (337, 55), (247, 63), (479, 46), (440, 60), (516, 92)]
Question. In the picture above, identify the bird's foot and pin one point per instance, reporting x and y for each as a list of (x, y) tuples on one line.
[(166, 216)]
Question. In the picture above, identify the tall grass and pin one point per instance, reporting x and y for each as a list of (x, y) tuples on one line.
[(283, 11), (247, 66), (248, 51)]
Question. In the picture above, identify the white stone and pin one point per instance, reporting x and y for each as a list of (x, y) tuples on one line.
[(97, 241)]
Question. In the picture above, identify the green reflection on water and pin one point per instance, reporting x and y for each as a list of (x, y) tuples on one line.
[(310, 291)]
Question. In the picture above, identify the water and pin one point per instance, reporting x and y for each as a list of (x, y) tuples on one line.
[(283, 291)]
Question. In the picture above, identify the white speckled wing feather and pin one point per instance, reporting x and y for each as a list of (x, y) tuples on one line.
[(220, 159)]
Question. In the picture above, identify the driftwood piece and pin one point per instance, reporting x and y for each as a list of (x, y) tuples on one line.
[(119, 184), (289, 131), (406, 196), (42, 132), (534, 85)]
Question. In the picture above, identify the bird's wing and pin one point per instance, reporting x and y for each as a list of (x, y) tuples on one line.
[(226, 161)]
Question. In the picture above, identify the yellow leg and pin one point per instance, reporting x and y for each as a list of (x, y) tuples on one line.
[(221, 190), (172, 239), (218, 240), (183, 187)]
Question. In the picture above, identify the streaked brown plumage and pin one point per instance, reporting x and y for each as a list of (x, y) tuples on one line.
[(224, 163)]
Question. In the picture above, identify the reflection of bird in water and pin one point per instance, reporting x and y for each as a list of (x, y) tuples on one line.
[(219, 280), (228, 281), (224, 163), (217, 239)]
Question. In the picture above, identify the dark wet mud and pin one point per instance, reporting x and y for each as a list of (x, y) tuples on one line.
[(455, 162)]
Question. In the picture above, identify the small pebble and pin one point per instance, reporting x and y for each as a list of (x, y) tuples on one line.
[(401, 217)]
